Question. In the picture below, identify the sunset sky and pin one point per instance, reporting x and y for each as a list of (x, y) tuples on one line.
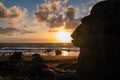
[(40, 21)]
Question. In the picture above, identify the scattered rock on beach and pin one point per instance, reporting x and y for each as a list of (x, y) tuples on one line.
[(48, 72), (58, 52), (36, 69), (16, 57)]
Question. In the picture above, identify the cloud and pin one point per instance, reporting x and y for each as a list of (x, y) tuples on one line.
[(15, 20), (56, 13), (11, 31), (65, 2), (11, 13), (11, 24), (70, 13), (56, 22)]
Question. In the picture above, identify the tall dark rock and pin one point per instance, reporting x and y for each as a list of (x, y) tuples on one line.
[(99, 41)]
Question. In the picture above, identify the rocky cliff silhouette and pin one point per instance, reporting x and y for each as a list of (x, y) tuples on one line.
[(99, 41)]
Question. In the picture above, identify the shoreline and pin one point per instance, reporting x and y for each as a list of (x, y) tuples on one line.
[(45, 57)]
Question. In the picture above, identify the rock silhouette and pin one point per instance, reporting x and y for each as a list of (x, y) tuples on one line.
[(16, 57), (99, 41), (37, 69), (12, 65), (58, 52)]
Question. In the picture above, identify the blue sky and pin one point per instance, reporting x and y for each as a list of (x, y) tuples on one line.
[(34, 20), (30, 5)]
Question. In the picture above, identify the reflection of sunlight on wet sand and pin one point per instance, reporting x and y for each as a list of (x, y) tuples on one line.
[(65, 53)]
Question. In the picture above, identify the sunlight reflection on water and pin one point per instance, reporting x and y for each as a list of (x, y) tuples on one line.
[(65, 53)]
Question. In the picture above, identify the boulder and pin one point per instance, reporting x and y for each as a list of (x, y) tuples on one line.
[(36, 68), (58, 52), (16, 57), (98, 39)]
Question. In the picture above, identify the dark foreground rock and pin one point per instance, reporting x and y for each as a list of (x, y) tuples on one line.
[(99, 40), (38, 69)]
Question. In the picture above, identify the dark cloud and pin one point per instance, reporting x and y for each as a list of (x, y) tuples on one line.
[(26, 31), (11, 31), (72, 24), (12, 12), (3, 12), (8, 30), (56, 15), (56, 22), (70, 13), (41, 14), (11, 24), (14, 17)]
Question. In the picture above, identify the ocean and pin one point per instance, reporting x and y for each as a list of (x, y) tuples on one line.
[(48, 49)]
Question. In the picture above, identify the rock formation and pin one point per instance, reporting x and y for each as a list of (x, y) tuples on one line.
[(99, 41), (13, 64), (37, 69), (16, 57), (58, 52)]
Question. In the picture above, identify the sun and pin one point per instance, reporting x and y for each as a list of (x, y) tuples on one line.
[(64, 36)]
